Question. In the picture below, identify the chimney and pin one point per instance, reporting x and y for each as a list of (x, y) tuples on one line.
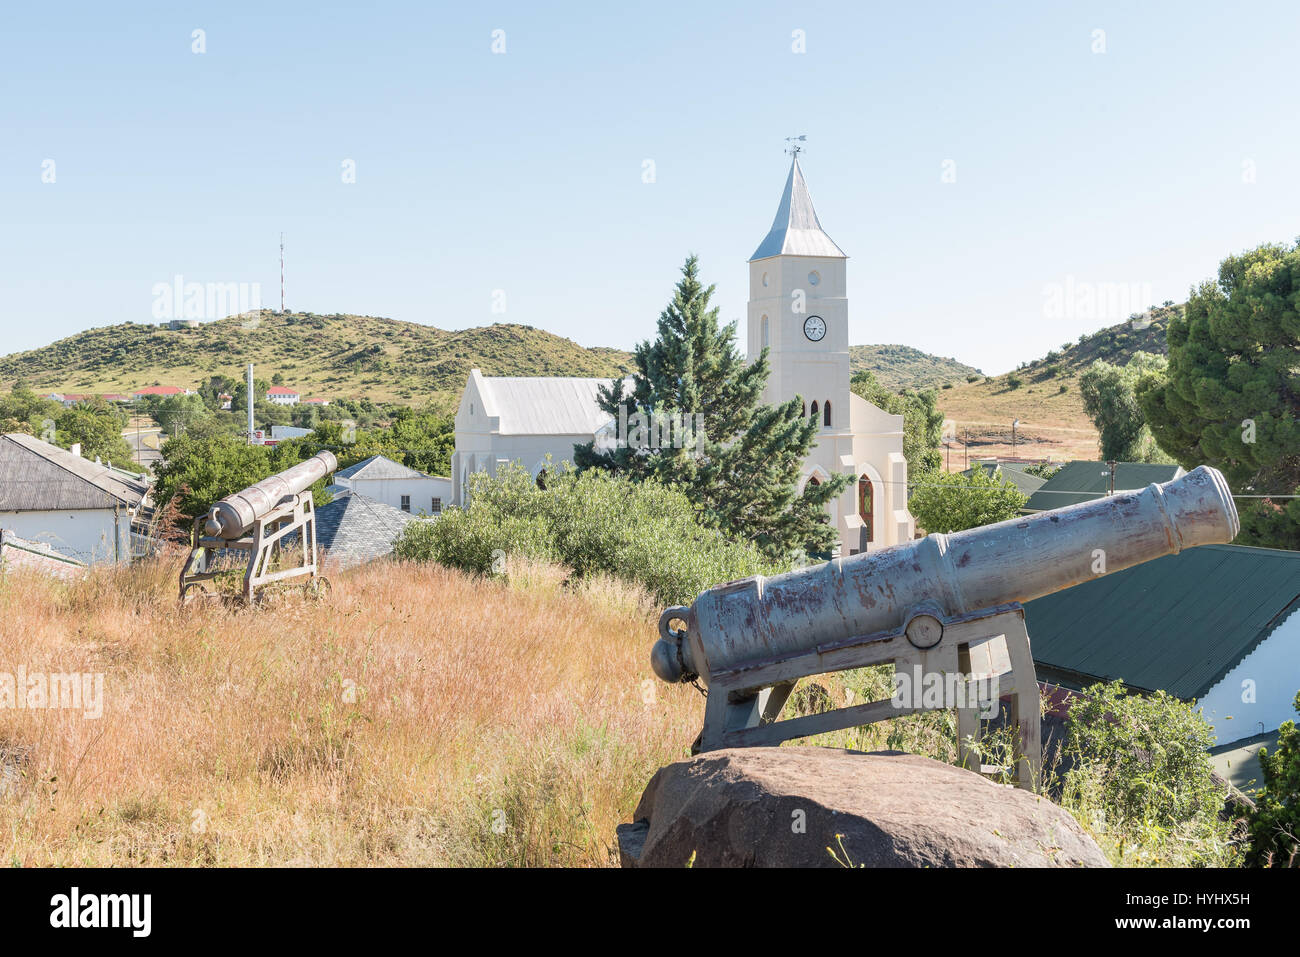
[(76, 449)]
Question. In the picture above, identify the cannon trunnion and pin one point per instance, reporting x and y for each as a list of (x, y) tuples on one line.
[(945, 608)]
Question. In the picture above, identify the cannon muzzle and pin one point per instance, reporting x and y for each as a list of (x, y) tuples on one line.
[(235, 514)]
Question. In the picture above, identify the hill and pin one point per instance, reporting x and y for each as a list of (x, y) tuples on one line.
[(1044, 396), (344, 356), (902, 367)]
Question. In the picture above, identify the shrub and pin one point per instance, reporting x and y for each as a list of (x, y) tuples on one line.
[(1144, 760), (593, 523), (950, 502), (1014, 382), (1275, 823)]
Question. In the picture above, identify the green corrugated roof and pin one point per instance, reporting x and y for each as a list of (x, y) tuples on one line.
[(1178, 623), (1077, 482), (1026, 483)]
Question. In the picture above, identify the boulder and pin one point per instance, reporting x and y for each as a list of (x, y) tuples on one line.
[(827, 807)]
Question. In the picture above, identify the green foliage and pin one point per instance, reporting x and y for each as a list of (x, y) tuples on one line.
[(591, 522), (947, 502), (741, 470), (95, 424), (1275, 822), (197, 471), (922, 422), (1143, 761), (423, 441), (1232, 395), (1014, 381), (1110, 398)]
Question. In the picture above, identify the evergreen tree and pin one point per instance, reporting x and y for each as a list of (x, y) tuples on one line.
[(692, 417), (1231, 397)]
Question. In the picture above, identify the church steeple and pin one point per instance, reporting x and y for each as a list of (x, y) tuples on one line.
[(796, 230)]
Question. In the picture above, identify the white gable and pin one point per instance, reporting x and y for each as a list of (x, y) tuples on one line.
[(543, 406)]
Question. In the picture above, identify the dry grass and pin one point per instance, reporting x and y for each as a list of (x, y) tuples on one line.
[(490, 724)]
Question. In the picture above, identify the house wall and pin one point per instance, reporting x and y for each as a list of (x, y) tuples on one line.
[(88, 535), (1274, 669), (390, 491)]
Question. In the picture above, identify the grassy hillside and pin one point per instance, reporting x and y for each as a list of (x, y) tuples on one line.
[(332, 356), (902, 367), (1044, 396)]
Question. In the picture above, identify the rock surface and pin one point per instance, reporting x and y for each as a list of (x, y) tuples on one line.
[(784, 807)]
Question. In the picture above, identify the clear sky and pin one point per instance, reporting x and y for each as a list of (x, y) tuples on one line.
[(1127, 173)]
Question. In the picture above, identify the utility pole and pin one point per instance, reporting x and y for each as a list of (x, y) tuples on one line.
[(250, 403), (281, 275), (1110, 467), (966, 449), (1014, 423)]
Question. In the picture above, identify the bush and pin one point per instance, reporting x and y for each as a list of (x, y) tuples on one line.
[(1275, 823), (1014, 382), (593, 523), (950, 502), (1143, 762)]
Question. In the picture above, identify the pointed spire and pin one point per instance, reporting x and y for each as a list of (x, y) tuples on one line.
[(796, 230)]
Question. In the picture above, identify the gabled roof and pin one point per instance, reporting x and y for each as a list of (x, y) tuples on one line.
[(535, 405), (354, 528), (1079, 481), (1177, 623), (378, 467), (796, 231), (158, 390), (281, 390), (1025, 483), (36, 476)]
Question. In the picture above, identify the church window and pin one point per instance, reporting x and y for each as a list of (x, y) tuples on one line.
[(866, 505), (814, 410), (763, 332), (814, 278), (826, 414), (764, 279)]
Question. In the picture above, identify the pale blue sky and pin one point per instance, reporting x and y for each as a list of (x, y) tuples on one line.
[(522, 171)]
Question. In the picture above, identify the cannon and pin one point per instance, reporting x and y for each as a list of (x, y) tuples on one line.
[(257, 520), (944, 608)]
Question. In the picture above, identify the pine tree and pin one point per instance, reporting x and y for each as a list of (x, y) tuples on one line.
[(691, 416), (1231, 397)]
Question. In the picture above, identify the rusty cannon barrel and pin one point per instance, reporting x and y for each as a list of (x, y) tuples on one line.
[(742, 624), (235, 514)]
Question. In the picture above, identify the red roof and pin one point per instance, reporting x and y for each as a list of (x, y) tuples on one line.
[(281, 390), (158, 390)]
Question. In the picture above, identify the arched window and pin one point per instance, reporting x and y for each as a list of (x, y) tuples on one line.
[(812, 480), (763, 332), (814, 410), (826, 414), (805, 410), (866, 505)]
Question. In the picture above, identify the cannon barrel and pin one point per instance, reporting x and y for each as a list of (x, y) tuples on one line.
[(737, 623), (235, 514)]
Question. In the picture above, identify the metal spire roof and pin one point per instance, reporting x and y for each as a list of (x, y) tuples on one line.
[(796, 230)]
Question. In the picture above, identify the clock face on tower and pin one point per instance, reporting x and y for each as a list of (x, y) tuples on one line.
[(814, 327)]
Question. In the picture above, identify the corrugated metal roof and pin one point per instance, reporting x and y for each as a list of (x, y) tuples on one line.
[(796, 231), (35, 475), (1080, 481), (1177, 624), (544, 405), (1027, 484), (378, 467)]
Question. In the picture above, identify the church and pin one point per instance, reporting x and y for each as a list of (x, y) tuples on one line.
[(798, 311)]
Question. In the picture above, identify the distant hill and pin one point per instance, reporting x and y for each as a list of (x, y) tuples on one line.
[(902, 367), (1044, 394), (386, 360)]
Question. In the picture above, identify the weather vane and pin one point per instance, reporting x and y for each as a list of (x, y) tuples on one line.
[(793, 147)]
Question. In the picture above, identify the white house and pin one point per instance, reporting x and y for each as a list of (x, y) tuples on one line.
[(282, 395), (381, 479), (798, 309), (522, 419), (79, 508)]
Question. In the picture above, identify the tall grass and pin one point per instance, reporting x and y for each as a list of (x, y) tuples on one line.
[(415, 716)]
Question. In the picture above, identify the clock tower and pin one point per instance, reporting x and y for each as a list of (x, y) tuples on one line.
[(798, 311)]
